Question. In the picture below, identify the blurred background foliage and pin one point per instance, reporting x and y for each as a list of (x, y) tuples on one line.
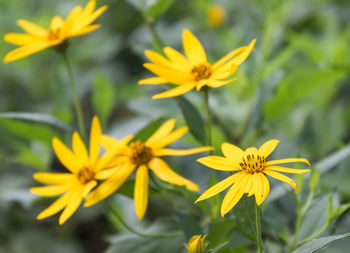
[(293, 87)]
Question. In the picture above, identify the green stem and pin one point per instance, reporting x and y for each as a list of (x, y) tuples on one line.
[(133, 231), (208, 119), (258, 229), (76, 101)]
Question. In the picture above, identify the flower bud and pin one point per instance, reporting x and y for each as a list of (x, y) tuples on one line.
[(196, 244)]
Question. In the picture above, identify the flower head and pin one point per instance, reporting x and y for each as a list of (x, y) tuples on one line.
[(143, 156), (194, 71), (216, 15), (84, 168), (252, 168), (37, 38), (196, 244)]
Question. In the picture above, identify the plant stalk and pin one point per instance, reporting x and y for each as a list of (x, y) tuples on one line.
[(208, 117), (258, 229)]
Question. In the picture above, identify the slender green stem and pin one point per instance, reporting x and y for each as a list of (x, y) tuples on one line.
[(258, 229), (76, 101), (133, 231), (208, 119)]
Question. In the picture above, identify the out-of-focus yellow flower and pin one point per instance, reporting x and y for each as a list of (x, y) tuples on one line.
[(196, 244), (37, 38), (144, 157), (84, 170), (194, 71), (216, 15), (251, 178)]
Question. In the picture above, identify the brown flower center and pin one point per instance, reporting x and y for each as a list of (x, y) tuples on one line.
[(201, 71), (54, 34), (140, 153), (253, 164), (85, 175)]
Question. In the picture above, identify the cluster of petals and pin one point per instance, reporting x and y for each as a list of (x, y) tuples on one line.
[(251, 173), (36, 38), (194, 70)]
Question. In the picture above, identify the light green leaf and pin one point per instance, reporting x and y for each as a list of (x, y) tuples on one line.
[(103, 96), (158, 8), (319, 243)]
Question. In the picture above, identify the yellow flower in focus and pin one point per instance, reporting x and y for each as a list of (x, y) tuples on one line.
[(84, 170), (196, 244), (144, 156), (251, 176), (37, 38), (216, 15), (194, 71)]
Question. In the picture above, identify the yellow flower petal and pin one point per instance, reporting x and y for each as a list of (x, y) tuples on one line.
[(232, 152), (247, 183), (162, 170), (174, 76), (251, 151), (177, 58), (227, 57), (141, 191), (215, 83), (182, 89), (152, 81), (94, 16), (85, 30), (286, 170), (71, 207), (66, 157), (166, 140), (56, 206), (158, 59), (110, 185), (31, 28), (53, 178), (89, 8), (24, 51), (288, 160), (193, 48), (95, 139), (258, 188), (219, 163), (231, 198), (163, 131), (106, 173), (49, 190), (56, 23), (79, 148), (21, 39), (266, 187), (176, 152), (219, 187), (88, 187), (268, 147), (282, 177)]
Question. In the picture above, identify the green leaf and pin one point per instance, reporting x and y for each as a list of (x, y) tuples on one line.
[(189, 224), (103, 96), (158, 8), (314, 179), (214, 201), (220, 232), (319, 243), (148, 130), (193, 119), (245, 217), (37, 118), (216, 249)]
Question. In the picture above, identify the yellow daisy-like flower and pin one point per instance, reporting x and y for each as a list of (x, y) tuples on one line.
[(37, 38), (194, 71), (144, 157), (216, 15), (84, 170), (251, 178), (196, 244)]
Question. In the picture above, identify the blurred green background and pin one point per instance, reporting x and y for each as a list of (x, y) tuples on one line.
[(293, 87)]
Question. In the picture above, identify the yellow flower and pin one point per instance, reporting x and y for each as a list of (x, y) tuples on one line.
[(84, 170), (251, 178), (37, 38), (216, 15), (144, 157), (194, 71), (196, 244)]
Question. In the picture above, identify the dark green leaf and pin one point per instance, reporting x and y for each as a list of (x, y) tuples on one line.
[(189, 224), (193, 119), (148, 130), (319, 243), (158, 8)]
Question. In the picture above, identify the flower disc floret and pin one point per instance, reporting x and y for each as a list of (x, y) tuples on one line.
[(201, 71), (253, 164), (140, 153)]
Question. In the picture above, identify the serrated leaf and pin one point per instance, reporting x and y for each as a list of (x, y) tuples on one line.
[(245, 217), (149, 129), (103, 96), (193, 119), (45, 119), (319, 243)]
